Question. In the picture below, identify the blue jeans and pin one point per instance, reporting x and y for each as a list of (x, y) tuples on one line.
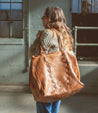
[(51, 107)]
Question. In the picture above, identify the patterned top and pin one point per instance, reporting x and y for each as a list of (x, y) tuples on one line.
[(49, 43)]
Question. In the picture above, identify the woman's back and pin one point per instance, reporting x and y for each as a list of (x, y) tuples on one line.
[(49, 42)]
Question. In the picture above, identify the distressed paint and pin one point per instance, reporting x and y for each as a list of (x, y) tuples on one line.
[(13, 57)]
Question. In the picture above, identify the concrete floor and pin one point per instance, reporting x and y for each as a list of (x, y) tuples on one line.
[(15, 100)]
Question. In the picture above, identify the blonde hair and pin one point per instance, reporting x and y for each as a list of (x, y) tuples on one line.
[(56, 20)]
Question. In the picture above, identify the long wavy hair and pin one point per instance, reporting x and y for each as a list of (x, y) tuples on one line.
[(57, 21)]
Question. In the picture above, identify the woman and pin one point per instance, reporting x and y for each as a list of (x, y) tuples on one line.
[(55, 24)]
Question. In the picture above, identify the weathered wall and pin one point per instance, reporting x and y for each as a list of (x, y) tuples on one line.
[(13, 57), (12, 64)]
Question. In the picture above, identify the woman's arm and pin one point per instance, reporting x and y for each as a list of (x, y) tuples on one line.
[(34, 49)]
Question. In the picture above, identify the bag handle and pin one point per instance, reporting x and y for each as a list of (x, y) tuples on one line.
[(61, 48)]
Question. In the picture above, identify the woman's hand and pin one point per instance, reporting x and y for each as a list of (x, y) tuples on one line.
[(39, 34)]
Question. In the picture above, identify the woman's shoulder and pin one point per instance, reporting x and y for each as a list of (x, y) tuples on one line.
[(46, 33), (50, 33)]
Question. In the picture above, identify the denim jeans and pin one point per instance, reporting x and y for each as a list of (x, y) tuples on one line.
[(51, 107)]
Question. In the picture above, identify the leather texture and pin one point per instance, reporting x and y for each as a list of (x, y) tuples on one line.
[(54, 76)]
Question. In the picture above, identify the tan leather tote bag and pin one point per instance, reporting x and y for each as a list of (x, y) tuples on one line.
[(54, 76)]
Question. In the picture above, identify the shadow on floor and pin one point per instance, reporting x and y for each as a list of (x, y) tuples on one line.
[(87, 100)]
